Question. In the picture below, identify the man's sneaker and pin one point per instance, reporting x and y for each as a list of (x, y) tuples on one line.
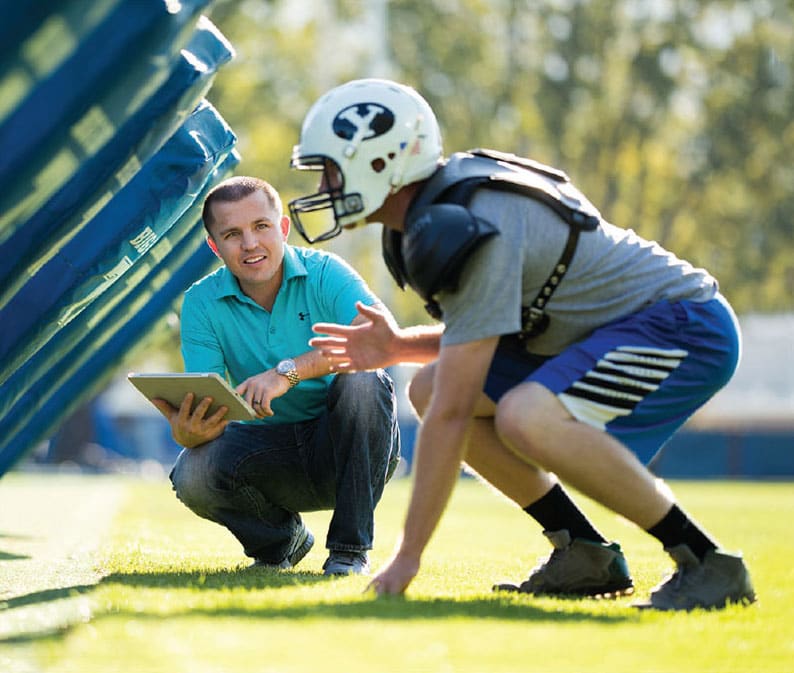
[(578, 568), (346, 563), (714, 582), (303, 543)]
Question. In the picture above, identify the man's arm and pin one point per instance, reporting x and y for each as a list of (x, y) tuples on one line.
[(260, 390), (459, 378), (375, 340)]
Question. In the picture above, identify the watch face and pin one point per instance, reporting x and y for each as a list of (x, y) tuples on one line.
[(285, 366), (288, 369)]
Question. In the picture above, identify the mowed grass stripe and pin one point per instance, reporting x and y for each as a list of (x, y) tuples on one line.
[(175, 596)]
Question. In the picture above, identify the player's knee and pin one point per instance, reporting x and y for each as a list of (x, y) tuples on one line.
[(420, 388), (519, 420)]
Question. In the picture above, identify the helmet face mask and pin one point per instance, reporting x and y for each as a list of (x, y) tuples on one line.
[(305, 211), (369, 138)]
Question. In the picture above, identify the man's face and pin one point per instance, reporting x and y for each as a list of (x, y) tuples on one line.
[(249, 236)]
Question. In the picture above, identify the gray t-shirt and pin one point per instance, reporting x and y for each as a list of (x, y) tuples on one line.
[(614, 273)]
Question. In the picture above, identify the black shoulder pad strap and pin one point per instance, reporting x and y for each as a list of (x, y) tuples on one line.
[(391, 248), (524, 162), (438, 240)]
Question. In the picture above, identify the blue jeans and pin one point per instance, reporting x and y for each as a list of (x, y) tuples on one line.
[(256, 479)]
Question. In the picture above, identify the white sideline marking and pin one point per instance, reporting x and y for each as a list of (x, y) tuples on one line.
[(51, 528)]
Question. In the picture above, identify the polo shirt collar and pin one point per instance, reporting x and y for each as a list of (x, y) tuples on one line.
[(293, 263)]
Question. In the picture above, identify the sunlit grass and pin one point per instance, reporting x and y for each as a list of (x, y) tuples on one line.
[(176, 596)]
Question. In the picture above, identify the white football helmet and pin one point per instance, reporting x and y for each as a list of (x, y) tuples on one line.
[(370, 137)]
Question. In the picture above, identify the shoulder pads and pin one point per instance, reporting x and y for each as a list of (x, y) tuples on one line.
[(438, 240), (441, 233), (464, 172)]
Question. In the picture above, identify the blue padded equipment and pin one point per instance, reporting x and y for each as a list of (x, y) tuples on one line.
[(139, 135), (109, 148), (89, 349)]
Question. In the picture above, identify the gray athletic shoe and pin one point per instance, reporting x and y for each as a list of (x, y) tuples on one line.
[(712, 583), (303, 544), (346, 563), (578, 568)]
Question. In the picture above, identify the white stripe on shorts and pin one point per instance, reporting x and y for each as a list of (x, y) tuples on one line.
[(620, 381)]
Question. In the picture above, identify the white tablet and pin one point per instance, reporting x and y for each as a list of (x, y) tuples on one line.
[(174, 387)]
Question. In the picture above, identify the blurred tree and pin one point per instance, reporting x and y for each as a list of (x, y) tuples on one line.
[(673, 115)]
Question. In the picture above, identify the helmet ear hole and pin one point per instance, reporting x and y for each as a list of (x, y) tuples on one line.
[(378, 165)]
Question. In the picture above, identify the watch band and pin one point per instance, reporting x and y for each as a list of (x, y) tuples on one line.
[(288, 369)]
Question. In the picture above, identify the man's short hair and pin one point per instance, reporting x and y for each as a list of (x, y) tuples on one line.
[(235, 189)]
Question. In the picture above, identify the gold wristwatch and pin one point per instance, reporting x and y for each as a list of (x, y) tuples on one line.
[(287, 368)]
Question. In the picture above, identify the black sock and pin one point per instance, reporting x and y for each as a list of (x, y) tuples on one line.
[(556, 511), (677, 528)]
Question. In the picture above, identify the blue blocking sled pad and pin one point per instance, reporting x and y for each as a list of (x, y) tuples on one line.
[(109, 148)]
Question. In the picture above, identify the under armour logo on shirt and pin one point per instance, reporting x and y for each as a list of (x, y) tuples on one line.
[(302, 315)]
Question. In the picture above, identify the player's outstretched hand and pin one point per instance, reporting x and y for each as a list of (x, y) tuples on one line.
[(365, 345)]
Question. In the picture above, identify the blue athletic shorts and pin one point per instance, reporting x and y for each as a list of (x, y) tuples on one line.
[(638, 378)]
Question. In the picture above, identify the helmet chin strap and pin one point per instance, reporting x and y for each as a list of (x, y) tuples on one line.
[(354, 225)]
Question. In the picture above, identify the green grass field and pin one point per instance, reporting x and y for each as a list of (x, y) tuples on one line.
[(106, 574)]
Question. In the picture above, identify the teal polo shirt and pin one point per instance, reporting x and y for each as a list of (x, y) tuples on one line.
[(224, 331)]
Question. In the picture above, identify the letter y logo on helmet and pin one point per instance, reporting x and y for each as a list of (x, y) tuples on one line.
[(369, 137), (364, 121)]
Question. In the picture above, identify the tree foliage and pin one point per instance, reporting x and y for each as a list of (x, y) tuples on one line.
[(674, 116)]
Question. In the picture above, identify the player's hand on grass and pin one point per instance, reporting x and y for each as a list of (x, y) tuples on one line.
[(396, 576), (193, 429)]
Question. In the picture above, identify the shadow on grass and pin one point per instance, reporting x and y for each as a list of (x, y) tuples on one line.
[(502, 606), (8, 556), (32, 630), (414, 609), (45, 596), (247, 578), (243, 578), (368, 606), (253, 578), (15, 536)]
